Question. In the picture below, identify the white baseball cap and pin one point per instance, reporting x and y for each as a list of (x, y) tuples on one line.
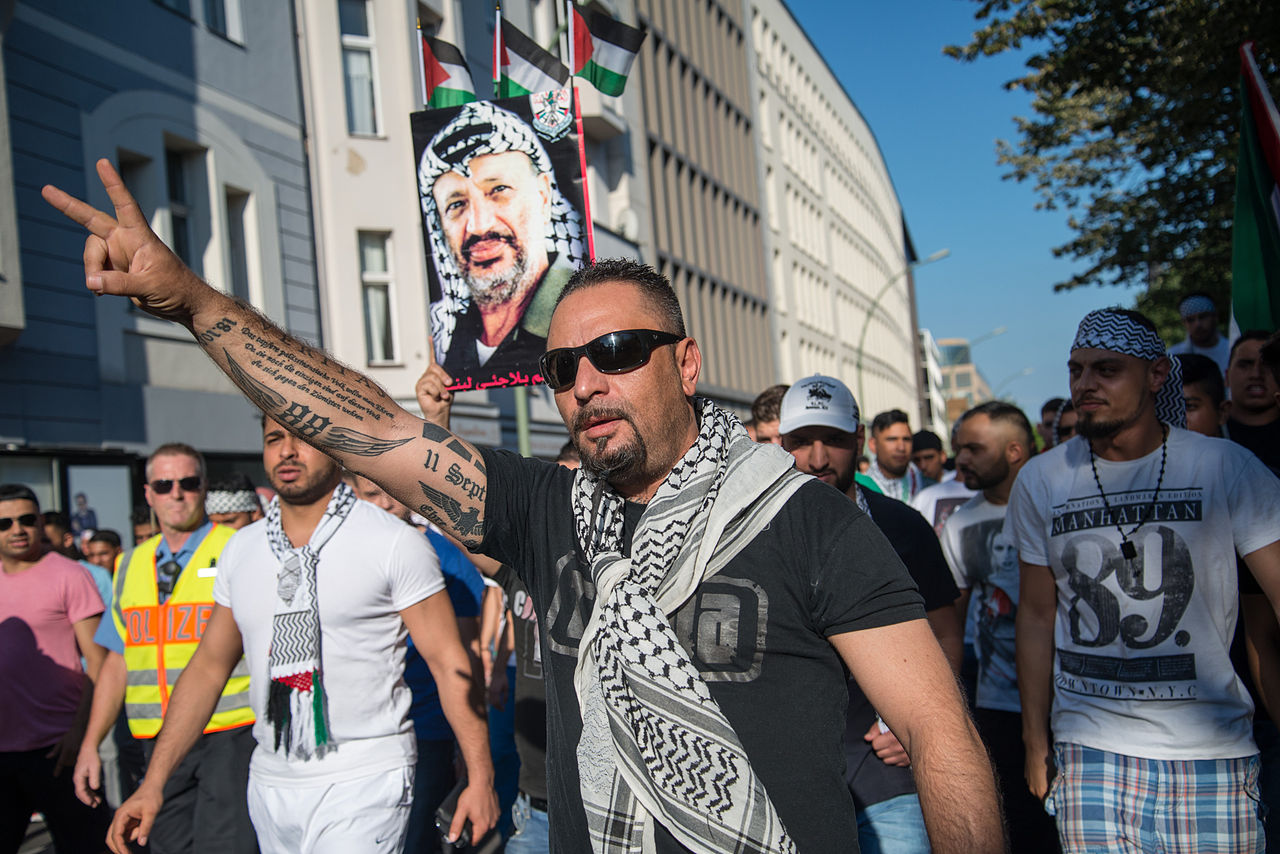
[(818, 401)]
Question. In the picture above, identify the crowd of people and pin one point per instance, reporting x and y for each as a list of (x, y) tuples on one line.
[(697, 634)]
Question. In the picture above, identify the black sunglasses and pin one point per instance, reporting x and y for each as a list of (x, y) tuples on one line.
[(26, 520), (186, 484), (611, 353)]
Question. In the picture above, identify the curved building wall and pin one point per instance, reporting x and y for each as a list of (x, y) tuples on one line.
[(834, 227)]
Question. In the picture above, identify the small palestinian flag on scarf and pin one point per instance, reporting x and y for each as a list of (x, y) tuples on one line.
[(603, 49), (446, 80)]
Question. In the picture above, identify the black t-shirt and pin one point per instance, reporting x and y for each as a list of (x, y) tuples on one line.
[(870, 780), (757, 631), (1264, 441), (529, 693)]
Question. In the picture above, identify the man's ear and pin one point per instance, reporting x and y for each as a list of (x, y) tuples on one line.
[(860, 436), (1159, 372), (689, 361), (544, 190)]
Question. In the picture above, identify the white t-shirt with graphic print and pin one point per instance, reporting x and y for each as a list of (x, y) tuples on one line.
[(985, 561), (1142, 664)]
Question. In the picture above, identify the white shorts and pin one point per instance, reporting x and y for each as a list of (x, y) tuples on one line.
[(365, 814)]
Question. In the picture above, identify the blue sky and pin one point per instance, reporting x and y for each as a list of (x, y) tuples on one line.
[(937, 121)]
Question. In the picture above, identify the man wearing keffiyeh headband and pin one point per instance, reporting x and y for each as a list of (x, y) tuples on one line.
[(1200, 317), (319, 596), (1137, 523)]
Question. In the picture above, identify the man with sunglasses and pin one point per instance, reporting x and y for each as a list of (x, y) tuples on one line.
[(49, 610), (163, 597), (696, 590)]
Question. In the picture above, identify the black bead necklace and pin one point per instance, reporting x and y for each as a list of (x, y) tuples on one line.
[(1128, 549)]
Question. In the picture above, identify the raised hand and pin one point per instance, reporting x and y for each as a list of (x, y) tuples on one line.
[(432, 390), (123, 256)]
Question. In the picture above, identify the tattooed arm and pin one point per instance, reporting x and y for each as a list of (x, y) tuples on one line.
[(328, 405)]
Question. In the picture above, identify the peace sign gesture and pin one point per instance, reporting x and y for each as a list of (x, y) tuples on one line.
[(122, 255)]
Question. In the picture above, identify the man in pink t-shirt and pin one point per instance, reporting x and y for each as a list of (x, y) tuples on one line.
[(49, 610)]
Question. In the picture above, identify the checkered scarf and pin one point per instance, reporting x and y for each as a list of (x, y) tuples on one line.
[(296, 704), (655, 745), (483, 128), (1108, 329)]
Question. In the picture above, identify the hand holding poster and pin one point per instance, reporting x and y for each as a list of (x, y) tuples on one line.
[(501, 188)]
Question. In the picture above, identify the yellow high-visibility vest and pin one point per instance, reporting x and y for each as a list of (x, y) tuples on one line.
[(159, 640)]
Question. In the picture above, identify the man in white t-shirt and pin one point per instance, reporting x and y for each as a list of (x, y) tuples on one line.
[(1200, 317), (319, 596), (992, 442), (1127, 537)]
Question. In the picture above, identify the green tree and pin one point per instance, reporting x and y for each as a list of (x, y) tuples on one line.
[(1135, 131)]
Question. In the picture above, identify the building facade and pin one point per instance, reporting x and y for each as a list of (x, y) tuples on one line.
[(835, 238), (933, 400), (197, 102), (963, 384)]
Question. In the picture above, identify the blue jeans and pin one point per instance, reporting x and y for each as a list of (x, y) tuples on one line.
[(895, 826), (531, 835)]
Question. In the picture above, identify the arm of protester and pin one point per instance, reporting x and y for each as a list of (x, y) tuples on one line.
[(433, 627), (905, 676), (65, 754), (949, 631), (92, 653), (1264, 563), (330, 406), (192, 703), (108, 697), (1262, 644), (1037, 605), (499, 686), (962, 605)]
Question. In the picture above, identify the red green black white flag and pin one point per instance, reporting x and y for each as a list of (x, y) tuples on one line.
[(603, 49), (446, 80), (526, 67), (1255, 233)]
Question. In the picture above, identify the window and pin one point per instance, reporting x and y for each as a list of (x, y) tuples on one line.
[(238, 281), (175, 173), (182, 7), (357, 66), (964, 379), (215, 16), (375, 286)]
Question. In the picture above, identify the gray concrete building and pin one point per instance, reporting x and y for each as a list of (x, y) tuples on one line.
[(197, 102)]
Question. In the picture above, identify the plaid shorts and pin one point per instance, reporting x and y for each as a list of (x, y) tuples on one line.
[(1115, 803)]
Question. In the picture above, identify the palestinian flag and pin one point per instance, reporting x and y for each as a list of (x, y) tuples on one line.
[(1255, 234), (603, 49), (526, 67), (446, 80)]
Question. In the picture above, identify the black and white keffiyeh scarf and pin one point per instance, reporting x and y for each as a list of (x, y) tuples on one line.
[(296, 702), (1108, 329), (655, 745)]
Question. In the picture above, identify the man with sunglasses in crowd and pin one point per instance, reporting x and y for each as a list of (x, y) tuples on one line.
[(696, 590), (163, 597), (49, 611)]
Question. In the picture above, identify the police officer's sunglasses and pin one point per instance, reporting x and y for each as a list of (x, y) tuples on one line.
[(186, 484), (611, 353)]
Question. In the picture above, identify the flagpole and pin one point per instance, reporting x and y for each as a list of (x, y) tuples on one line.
[(497, 47), (422, 65), (568, 21)]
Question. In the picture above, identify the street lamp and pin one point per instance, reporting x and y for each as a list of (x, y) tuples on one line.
[(1004, 382), (875, 303)]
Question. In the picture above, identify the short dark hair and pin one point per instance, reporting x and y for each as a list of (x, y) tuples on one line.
[(651, 283), (141, 515), (1204, 372), (768, 404), (926, 440), (1249, 335), (885, 420), (569, 453), (998, 410), (1053, 404), (176, 449), (1271, 355), (108, 536), (236, 481), (57, 518), (18, 492)]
